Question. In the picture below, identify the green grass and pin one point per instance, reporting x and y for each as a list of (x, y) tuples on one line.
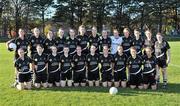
[(88, 96)]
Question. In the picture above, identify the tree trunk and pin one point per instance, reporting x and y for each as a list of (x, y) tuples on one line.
[(43, 22), (17, 20), (160, 18)]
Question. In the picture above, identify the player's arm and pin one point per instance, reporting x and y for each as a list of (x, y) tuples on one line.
[(46, 68), (168, 56), (157, 72), (128, 71), (7, 43)]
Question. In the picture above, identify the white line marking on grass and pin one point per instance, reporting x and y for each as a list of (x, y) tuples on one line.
[(175, 65)]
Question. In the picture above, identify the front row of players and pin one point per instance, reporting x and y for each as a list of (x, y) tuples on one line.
[(64, 70)]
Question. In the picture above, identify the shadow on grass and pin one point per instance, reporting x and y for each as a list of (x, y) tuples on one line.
[(172, 88)]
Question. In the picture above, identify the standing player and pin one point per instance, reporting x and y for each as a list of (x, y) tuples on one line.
[(149, 40), (66, 68), (21, 42), (72, 42), (79, 68), (35, 40), (135, 64), (40, 67), (23, 67), (138, 42), (92, 60), (162, 52), (94, 39), (48, 42), (127, 41), (106, 60), (60, 41), (53, 68), (150, 71), (104, 40), (83, 39), (120, 68), (115, 41)]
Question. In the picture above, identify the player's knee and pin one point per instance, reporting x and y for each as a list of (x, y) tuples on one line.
[(83, 84), (145, 86), (37, 85), (57, 84), (90, 83), (123, 84), (116, 84), (63, 83), (45, 85), (140, 86), (20, 87), (109, 84), (76, 84), (154, 87), (28, 86), (104, 84), (50, 85), (97, 83), (132, 86), (69, 83)]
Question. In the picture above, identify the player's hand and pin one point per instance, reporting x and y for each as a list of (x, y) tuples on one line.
[(168, 61), (157, 77)]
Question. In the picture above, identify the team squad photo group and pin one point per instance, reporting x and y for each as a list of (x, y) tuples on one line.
[(80, 59)]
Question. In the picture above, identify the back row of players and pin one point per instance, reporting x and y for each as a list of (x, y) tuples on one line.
[(76, 60)]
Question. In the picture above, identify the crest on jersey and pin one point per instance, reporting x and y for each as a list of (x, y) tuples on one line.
[(101, 61), (35, 59), (89, 59), (46, 43), (50, 59), (130, 62), (62, 60), (76, 59), (32, 41), (18, 43), (116, 59)]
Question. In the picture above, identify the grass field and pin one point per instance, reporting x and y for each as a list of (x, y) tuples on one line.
[(88, 96)]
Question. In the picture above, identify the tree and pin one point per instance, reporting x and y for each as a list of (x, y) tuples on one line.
[(42, 6)]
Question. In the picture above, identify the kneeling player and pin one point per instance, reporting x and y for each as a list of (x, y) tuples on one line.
[(135, 63), (92, 66), (53, 68), (162, 52), (22, 67), (106, 67), (79, 68), (40, 65), (66, 67), (120, 68), (150, 72)]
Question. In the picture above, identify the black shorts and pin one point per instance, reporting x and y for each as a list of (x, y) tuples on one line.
[(93, 76), (54, 77), (79, 77), (66, 76), (136, 79), (24, 77), (120, 76), (40, 78), (162, 63), (149, 78), (106, 76)]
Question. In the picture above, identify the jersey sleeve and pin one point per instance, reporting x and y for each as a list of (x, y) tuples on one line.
[(16, 64)]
